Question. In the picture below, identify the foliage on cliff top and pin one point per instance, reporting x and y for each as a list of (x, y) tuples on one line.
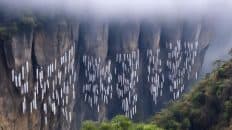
[(118, 123), (9, 26), (26, 21), (207, 107)]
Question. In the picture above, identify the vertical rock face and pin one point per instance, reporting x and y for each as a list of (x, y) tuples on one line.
[(94, 39), (52, 41), (14, 53), (124, 38), (92, 57), (23, 55), (149, 36), (54, 52), (149, 40), (123, 47), (125, 67)]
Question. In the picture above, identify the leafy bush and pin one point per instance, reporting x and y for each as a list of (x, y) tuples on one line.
[(206, 107), (89, 125), (118, 123)]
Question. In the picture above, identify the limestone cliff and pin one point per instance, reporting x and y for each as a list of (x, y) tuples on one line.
[(52, 59), (27, 56), (126, 37)]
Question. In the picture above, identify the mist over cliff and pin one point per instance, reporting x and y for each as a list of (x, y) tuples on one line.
[(65, 61), (220, 45), (126, 8)]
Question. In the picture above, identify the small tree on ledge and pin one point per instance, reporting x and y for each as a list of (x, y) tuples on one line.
[(218, 63)]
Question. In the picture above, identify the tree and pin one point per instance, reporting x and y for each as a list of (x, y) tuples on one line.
[(218, 63), (89, 125), (106, 126)]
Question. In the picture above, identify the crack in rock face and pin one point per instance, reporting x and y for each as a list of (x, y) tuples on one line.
[(64, 72), (95, 70), (42, 75)]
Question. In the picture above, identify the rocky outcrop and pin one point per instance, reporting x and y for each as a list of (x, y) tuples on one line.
[(93, 43), (33, 48), (125, 37), (101, 42)]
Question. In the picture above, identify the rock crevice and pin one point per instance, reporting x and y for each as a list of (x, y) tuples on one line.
[(52, 50)]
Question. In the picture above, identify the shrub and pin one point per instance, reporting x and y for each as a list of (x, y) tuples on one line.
[(106, 126), (89, 125)]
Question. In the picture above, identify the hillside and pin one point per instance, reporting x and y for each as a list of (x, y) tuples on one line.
[(207, 107)]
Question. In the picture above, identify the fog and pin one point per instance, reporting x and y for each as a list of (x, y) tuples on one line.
[(217, 12), (220, 44), (117, 8)]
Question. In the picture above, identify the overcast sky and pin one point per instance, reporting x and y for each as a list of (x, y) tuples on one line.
[(128, 7)]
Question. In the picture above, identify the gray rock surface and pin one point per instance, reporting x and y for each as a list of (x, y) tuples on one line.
[(40, 46)]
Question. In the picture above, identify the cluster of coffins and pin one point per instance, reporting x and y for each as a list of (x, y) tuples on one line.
[(155, 76), (126, 71), (97, 84), (19, 78), (181, 59), (54, 83), (190, 51)]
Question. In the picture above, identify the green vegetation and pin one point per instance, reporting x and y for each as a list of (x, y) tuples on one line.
[(16, 24), (118, 123), (27, 21), (207, 107), (7, 31)]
